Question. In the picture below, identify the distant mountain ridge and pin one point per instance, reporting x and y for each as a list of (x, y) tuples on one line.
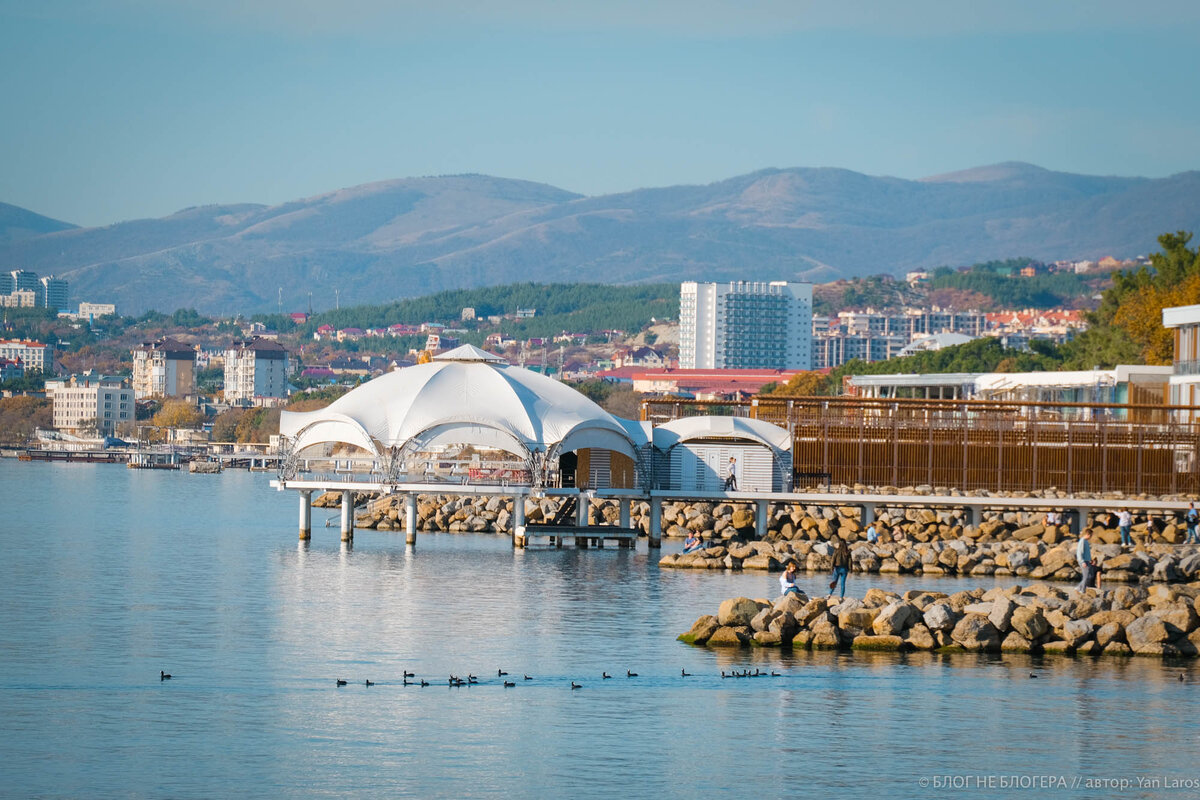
[(413, 236), (17, 223)]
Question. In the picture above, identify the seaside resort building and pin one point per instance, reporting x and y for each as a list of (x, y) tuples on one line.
[(164, 368), (89, 403), (1185, 382), (34, 355), (256, 372), (745, 325)]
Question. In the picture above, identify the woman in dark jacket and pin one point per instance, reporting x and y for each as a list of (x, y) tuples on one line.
[(841, 567)]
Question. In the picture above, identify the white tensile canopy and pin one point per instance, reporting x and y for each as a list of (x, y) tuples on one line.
[(686, 429), (464, 396)]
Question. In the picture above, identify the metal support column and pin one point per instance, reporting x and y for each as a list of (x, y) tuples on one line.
[(760, 518)]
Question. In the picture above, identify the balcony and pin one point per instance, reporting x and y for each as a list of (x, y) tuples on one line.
[(1187, 367)]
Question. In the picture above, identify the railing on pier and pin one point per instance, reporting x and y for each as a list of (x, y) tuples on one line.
[(980, 444)]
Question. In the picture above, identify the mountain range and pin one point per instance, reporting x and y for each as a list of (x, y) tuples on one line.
[(402, 238)]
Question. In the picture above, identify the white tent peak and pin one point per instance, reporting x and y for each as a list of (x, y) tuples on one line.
[(468, 352)]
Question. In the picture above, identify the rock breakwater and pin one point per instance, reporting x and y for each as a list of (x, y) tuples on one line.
[(1128, 620), (1032, 558)]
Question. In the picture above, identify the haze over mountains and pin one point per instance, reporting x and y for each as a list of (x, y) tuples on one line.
[(407, 237)]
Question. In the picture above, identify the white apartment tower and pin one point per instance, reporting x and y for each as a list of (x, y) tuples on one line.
[(745, 325), (256, 372), (164, 368)]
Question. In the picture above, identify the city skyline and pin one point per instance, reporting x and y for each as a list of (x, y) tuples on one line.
[(131, 109)]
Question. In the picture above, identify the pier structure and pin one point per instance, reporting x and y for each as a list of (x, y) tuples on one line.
[(577, 528)]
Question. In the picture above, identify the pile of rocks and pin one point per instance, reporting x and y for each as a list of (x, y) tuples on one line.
[(1161, 621), (1032, 558)]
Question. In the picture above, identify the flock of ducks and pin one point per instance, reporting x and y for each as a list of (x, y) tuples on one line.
[(455, 681)]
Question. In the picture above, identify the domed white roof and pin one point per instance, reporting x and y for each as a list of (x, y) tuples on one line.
[(464, 396), (686, 429)]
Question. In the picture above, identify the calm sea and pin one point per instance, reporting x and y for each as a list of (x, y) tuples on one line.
[(109, 575)]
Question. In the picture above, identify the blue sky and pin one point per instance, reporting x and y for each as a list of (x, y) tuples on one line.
[(119, 109)]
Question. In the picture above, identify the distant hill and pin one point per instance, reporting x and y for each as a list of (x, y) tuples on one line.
[(16, 224), (415, 236)]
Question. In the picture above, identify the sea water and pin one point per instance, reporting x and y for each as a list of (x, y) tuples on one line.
[(109, 576)]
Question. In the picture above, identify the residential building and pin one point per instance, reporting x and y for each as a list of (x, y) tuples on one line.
[(21, 298), (11, 368), (1184, 385), (53, 293), (835, 348), (18, 279), (745, 325), (256, 372), (90, 403), (34, 355), (164, 368), (90, 311)]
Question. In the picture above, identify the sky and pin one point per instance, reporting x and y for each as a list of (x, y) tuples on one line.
[(125, 109)]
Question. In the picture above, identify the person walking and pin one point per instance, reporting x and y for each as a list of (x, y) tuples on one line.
[(731, 475), (1192, 520), (841, 567), (1124, 525), (1083, 555)]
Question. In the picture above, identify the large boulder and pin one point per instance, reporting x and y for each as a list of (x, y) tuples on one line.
[(894, 618), (737, 611), (1029, 622), (702, 630), (1001, 613), (1147, 635), (1077, 631), (762, 620), (730, 636), (975, 633), (940, 617)]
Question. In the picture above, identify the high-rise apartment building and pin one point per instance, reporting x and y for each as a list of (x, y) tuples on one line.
[(255, 371), (165, 368), (53, 293), (745, 325)]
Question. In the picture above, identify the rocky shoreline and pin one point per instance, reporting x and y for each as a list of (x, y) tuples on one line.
[(1155, 621)]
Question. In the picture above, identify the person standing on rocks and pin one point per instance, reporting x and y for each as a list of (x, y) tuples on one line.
[(1083, 554), (1192, 520), (731, 475), (841, 567), (1124, 525)]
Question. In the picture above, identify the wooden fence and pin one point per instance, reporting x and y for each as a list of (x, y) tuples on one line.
[(976, 444)]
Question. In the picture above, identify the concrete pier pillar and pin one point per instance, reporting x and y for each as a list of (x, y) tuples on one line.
[(623, 507), (305, 514), (760, 518), (868, 514), (410, 519), (518, 518), (1080, 520), (581, 510), (655, 522), (347, 516), (974, 515)]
